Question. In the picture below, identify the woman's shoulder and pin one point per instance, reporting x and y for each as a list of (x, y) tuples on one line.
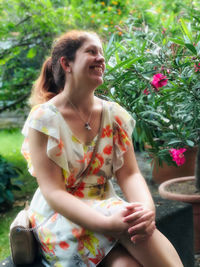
[(44, 111), (42, 117), (116, 109)]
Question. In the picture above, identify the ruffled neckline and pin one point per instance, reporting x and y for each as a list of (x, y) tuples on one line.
[(92, 142)]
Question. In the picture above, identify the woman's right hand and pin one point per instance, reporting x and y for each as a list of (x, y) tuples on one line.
[(134, 220), (116, 224)]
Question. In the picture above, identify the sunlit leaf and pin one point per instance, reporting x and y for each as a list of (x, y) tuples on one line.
[(32, 52)]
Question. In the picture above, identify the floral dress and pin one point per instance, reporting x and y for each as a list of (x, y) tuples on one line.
[(64, 243)]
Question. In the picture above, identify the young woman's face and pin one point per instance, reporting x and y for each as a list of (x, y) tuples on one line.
[(89, 64)]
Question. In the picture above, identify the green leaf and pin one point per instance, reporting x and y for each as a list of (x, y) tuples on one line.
[(190, 143), (153, 123), (9, 195), (153, 114), (177, 41), (125, 64), (32, 52), (2, 199), (117, 58), (110, 42), (16, 187), (132, 61), (198, 48), (186, 30), (143, 47), (175, 141), (191, 48)]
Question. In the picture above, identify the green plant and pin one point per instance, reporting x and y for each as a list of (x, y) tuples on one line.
[(11, 140), (7, 172), (28, 28), (167, 115)]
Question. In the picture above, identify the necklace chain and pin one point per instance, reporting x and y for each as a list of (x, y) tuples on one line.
[(86, 123)]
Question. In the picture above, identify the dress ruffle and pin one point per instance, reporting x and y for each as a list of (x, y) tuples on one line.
[(44, 120)]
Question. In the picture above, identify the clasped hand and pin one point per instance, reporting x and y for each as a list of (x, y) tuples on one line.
[(136, 220)]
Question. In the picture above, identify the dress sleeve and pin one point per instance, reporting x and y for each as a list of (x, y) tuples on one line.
[(123, 125), (43, 119)]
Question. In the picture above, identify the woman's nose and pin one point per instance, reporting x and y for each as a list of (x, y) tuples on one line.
[(100, 57)]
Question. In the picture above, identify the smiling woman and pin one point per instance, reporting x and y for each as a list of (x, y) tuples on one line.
[(74, 144)]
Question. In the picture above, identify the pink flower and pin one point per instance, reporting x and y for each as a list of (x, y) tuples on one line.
[(159, 80), (146, 91), (164, 30), (197, 67), (177, 155)]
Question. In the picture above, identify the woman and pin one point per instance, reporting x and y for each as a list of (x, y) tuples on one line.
[(84, 222)]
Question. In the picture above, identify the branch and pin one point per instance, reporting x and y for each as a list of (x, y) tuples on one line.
[(26, 43), (20, 99), (23, 20)]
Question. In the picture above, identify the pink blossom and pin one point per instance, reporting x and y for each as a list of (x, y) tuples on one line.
[(164, 30), (159, 80), (178, 156), (168, 71), (146, 91), (197, 67)]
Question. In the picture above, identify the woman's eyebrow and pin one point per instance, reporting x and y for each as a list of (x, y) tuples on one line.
[(95, 47)]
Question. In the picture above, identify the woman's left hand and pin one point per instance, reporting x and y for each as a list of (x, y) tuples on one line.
[(141, 221)]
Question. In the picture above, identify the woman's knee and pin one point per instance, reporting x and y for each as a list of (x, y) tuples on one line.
[(156, 251), (119, 257)]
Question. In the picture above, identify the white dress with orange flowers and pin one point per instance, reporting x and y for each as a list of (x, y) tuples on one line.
[(64, 243)]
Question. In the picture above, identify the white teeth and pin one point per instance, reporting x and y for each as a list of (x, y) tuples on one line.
[(98, 69)]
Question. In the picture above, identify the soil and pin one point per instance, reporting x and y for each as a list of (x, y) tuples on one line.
[(184, 187)]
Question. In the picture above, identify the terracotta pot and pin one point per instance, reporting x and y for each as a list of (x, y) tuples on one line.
[(166, 172), (193, 199)]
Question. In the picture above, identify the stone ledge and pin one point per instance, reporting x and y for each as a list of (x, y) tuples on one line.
[(175, 220)]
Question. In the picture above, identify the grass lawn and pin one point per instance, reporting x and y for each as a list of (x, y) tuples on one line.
[(11, 141)]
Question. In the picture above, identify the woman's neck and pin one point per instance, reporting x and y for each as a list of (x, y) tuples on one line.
[(82, 99)]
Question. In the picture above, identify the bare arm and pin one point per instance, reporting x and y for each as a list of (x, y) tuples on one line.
[(132, 182), (141, 221)]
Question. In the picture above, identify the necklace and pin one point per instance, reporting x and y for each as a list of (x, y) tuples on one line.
[(86, 123)]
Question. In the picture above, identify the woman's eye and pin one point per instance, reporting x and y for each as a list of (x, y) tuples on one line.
[(91, 51)]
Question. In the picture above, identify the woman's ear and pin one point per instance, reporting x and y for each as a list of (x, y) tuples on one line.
[(65, 64)]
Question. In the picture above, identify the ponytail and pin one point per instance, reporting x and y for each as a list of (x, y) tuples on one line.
[(44, 87)]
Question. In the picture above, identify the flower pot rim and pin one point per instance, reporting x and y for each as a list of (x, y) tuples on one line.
[(176, 196)]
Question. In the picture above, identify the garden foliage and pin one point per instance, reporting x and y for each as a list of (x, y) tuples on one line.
[(7, 173), (156, 76), (28, 28)]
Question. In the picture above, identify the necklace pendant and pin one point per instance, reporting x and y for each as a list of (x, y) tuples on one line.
[(87, 126)]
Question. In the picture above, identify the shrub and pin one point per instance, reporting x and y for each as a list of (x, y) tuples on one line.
[(7, 172), (156, 78)]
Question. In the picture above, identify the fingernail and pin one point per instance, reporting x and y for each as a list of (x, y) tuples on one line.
[(138, 209)]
